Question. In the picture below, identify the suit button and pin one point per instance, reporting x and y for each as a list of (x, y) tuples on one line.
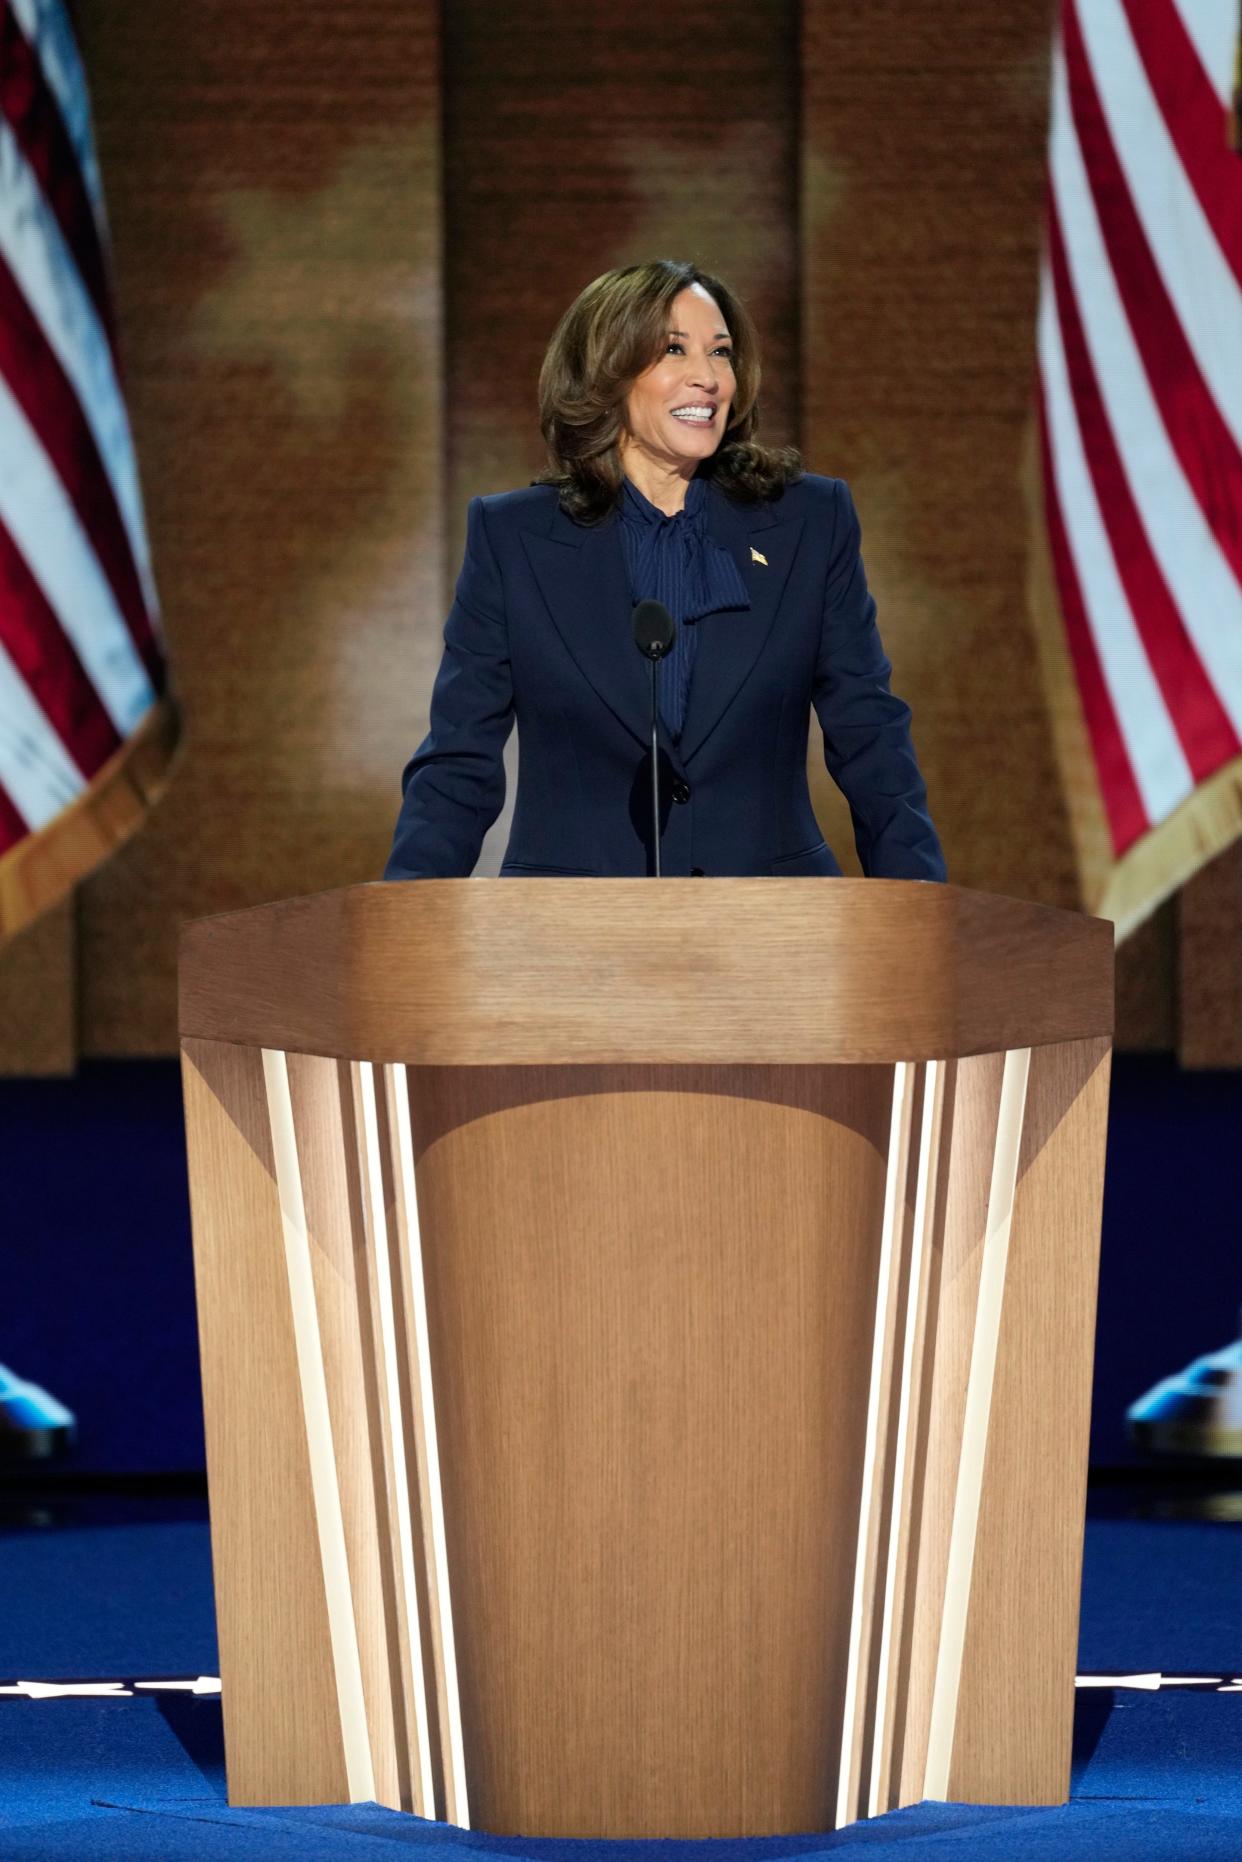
[(696, 872), (680, 790)]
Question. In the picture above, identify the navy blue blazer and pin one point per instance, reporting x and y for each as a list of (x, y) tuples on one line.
[(540, 632)]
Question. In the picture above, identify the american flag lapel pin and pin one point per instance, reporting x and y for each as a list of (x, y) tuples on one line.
[(756, 557)]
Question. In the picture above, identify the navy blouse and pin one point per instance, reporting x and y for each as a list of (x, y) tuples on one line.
[(675, 561)]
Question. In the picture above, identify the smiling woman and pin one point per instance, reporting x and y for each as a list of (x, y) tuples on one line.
[(657, 489)]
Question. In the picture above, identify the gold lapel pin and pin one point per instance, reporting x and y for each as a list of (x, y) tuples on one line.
[(756, 557)]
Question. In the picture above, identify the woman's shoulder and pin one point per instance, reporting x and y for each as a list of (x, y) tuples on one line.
[(812, 490), (515, 506)]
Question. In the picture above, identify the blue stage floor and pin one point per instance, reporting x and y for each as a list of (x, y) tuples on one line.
[(125, 1593)]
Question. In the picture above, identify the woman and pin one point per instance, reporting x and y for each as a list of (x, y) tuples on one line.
[(648, 402)]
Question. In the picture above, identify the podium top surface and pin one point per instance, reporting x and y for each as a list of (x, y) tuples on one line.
[(477, 972)]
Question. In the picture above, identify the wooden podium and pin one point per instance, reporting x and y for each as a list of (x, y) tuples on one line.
[(646, 1337)]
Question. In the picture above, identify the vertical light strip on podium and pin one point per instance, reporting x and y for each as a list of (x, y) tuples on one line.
[(969, 1488), (856, 1720), (325, 1486), (398, 1470), (889, 1676), (426, 1446)]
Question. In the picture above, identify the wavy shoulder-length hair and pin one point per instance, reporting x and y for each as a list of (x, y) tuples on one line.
[(614, 330)]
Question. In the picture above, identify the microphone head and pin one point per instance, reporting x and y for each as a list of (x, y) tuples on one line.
[(654, 630)]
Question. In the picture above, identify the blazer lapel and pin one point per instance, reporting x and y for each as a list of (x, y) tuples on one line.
[(735, 639), (582, 575)]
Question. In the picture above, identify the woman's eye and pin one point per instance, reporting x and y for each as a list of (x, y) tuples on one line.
[(726, 353)]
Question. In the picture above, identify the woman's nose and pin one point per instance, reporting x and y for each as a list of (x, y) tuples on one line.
[(703, 373)]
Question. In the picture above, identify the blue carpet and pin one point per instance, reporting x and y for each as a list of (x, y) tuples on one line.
[(1161, 1594), (1156, 1776), (108, 1600)]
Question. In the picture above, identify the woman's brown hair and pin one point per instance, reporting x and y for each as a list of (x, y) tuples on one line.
[(613, 330)]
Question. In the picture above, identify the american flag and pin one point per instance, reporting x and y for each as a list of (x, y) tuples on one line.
[(86, 730), (1137, 576)]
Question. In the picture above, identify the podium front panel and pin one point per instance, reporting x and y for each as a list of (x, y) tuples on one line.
[(646, 1450)]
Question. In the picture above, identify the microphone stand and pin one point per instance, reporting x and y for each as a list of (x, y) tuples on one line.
[(654, 663), (654, 633)]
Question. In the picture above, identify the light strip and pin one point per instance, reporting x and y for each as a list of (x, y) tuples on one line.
[(456, 1808), (378, 1242), (325, 1488), (890, 1229), (933, 1088), (965, 1528)]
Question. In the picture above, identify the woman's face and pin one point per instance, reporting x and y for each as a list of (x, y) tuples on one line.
[(677, 410)]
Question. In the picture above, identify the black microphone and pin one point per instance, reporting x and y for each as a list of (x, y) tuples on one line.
[(654, 633)]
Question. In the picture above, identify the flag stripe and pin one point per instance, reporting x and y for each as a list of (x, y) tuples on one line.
[(81, 653), (1195, 116), (1123, 805), (49, 31), (36, 507), (1155, 755), (1193, 545), (37, 770), (44, 656), (1207, 736), (33, 247), (1140, 184), (1206, 445), (26, 101), (1139, 351), (46, 396), (1212, 26), (13, 827)]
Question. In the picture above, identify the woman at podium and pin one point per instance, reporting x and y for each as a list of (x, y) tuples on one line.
[(658, 490)]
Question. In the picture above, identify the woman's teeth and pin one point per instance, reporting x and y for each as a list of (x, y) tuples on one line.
[(703, 415)]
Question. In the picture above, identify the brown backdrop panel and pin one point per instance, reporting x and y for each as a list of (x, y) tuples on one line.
[(38, 1032), (581, 138), (923, 162), (273, 182)]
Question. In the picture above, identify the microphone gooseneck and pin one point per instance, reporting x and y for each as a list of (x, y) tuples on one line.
[(654, 633)]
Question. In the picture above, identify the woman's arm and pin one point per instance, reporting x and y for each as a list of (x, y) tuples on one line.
[(867, 744), (453, 787)]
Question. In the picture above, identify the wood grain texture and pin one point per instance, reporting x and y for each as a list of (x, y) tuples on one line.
[(281, 1725), (442, 1098), (1011, 1742), (642, 1303), (608, 1430), (480, 972)]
